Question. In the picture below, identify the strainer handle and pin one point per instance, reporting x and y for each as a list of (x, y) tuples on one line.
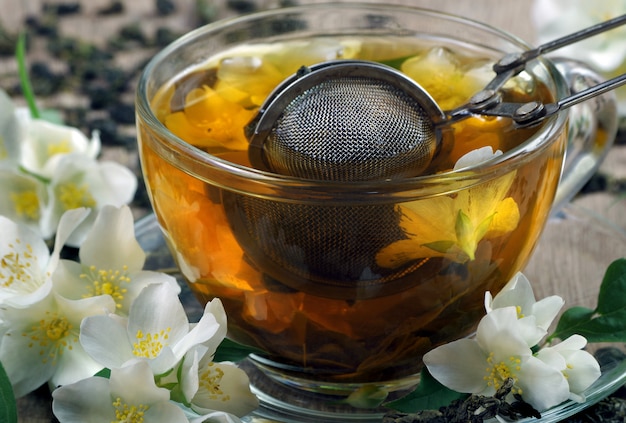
[(592, 129)]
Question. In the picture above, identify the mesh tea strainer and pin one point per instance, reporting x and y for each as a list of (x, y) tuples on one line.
[(349, 120)]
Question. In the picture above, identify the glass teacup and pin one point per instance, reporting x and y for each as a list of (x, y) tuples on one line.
[(345, 283)]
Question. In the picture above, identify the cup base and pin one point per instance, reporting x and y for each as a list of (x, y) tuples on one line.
[(285, 399)]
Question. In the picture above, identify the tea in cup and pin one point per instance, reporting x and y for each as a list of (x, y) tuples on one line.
[(346, 281)]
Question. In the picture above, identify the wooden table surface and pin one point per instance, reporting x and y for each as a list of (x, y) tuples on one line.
[(573, 253)]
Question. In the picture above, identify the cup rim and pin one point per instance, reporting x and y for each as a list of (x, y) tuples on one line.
[(267, 183)]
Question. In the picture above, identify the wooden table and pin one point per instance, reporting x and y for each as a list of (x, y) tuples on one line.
[(572, 255)]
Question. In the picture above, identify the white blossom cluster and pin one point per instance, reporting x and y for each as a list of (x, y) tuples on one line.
[(63, 322), (48, 168)]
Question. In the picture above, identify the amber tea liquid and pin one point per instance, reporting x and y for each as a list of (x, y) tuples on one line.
[(347, 292)]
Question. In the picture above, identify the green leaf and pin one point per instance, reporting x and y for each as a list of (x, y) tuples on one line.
[(429, 395), (105, 373), (232, 351), (607, 323), (8, 406), (27, 90), (397, 62)]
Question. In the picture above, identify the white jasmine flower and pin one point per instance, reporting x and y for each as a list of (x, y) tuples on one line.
[(41, 342), (580, 368), (44, 144), (80, 181), (209, 386), (130, 395), (22, 196), (476, 157), (156, 331), (111, 262), (480, 365), (26, 264), (535, 316)]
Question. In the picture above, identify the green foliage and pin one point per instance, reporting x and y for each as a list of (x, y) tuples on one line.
[(429, 395), (8, 406), (27, 90), (605, 323), (232, 351)]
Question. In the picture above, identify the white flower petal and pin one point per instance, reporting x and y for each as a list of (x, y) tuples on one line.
[(574, 342), (499, 332), (476, 157), (210, 330), (41, 335), (546, 309), (157, 308), (80, 181), (189, 381), (517, 292), (111, 242), (580, 367), (45, 143), (459, 365), (120, 182), (74, 365), (24, 366), (23, 199), (24, 278), (233, 390), (205, 330), (542, 386), (105, 339), (139, 280), (530, 331), (83, 401), (582, 371), (135, 384), (552, 358), (68, 222), (93, 399)]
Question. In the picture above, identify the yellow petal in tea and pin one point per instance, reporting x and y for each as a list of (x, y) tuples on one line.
[(452, 226)]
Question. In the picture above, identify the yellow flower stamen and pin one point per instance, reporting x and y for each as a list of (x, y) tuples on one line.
[(126, 413), (519, 312), (26, 204), (17, 266), (52, 335), (210, 380), (497, 373), (150, 345), (59, 148), (107, 282), (73, 196)]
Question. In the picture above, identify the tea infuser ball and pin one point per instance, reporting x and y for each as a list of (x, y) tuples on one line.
[(346, 121), (351, 120)]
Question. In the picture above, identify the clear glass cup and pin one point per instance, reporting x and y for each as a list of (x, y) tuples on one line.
[(345, 284)]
